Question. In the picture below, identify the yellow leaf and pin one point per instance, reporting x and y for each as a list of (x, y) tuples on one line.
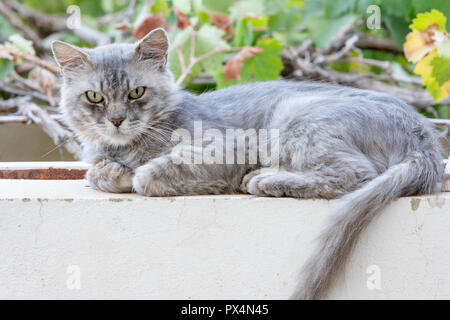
[(445, 91), (425, 70), (424, 20), (423, 67), (417, 45)]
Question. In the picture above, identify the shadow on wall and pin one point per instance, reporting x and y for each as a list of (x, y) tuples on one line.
[(21, 142)]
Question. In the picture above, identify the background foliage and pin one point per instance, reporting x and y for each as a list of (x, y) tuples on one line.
[(218, 43)]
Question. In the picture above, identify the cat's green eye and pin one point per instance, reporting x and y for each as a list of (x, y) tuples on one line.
[(94, 96), (136, 93)]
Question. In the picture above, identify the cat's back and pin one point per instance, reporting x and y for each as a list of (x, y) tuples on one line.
[(282, 101)]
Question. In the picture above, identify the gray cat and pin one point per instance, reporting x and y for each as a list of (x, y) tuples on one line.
[(363, 147)]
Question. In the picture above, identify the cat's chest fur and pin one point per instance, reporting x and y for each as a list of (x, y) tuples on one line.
[(134, 157)]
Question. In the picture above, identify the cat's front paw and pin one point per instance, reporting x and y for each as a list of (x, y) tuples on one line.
[(247, 178), (260, 183), (151, 180), (109, 176)]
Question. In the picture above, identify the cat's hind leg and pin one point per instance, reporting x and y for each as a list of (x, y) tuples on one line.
[(326, 184)]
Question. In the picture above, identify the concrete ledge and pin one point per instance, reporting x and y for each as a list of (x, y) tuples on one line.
[(54, 233), (52, 170)]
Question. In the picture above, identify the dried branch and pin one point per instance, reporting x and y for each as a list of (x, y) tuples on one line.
[(55, 23), (24, 83), (123, 16), (369, 42), (192, 50), (18, 92), (417, 97), (11, 105), (348, 46), (193, 60), (31, 58), (19, 25), (181, 58)]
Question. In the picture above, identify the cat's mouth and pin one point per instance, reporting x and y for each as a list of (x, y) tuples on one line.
[(118, 136)]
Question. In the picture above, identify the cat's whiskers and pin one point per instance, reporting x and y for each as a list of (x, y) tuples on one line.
[(145, 133), (59, 145)]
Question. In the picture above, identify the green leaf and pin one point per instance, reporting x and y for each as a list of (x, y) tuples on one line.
[(6, 67), (160, 7), (443, 111), (284, 21), (6, 28), (221, 6), (337, 8), (181, 39), (244, 33), (398, 8), (441, 69), (274, 7), (323, 30), (264, 66), (48, 7), (434, 89), (203, 17), (290, 38), (398, 28), (362, 5), (208, 38)]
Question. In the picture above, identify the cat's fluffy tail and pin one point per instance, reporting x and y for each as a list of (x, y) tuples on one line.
[(420, 173)]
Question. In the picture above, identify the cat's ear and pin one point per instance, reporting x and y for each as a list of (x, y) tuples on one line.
[(69, 57), (154, 46)]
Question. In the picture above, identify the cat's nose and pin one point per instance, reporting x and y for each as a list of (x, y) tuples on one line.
[(117, 121)]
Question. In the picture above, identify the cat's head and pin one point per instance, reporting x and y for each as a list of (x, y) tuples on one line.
[(112, 93)]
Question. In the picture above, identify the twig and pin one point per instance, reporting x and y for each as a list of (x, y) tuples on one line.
[(196, 60), (33, 59), (369, 42), (52, 23), (441, 121), (123, 16), (27, 84), (193, 60), (348, 46), (383, 65), (181, 58), (16, 23), (11, 105), (18, 92), (419, 98), (192, 50)]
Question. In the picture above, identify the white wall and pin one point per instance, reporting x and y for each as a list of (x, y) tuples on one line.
[(210, 247)]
